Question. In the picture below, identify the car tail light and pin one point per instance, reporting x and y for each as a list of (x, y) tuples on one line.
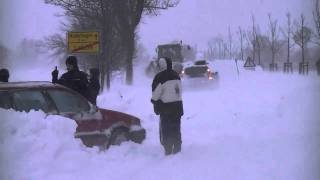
[(210, 77), (182, 73)]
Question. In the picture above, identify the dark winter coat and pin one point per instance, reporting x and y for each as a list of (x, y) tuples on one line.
[(166, 91), (93, 90), (93, 86), (75, 80)]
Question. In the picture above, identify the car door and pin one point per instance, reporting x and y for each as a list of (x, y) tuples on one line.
[(74, 106)]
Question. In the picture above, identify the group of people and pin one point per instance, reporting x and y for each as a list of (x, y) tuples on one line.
[(74, 79), (166, 97), (78, 80)]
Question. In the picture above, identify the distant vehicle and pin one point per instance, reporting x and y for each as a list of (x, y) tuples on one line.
[(200, 69), (95, 126), (177, 52)]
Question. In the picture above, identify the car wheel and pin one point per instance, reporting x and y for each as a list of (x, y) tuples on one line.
[(119, 136)]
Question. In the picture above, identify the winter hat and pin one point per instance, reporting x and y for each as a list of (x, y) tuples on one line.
[(4, 75), (72, 60)]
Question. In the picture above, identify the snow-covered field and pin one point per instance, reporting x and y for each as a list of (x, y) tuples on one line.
[(258, 126)]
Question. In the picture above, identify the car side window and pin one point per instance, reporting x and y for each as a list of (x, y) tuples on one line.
[(68, 102), (29, 100), (5, 100)]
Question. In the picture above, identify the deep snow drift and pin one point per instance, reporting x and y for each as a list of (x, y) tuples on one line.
[(255, 126)]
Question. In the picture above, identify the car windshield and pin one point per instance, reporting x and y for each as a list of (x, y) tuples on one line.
[(27, 100), (67, 102)]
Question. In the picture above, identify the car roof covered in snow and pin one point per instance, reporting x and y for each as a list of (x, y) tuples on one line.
[(28, 84)]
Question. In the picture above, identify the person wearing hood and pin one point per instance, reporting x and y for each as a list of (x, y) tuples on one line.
[(4, 75), (94, 85), (167, 102), (74, 78)]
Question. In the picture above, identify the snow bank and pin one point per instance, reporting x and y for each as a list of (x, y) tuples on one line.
[(32, 144), (256, 126)]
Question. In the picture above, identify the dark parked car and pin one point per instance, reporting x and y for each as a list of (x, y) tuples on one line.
[(95, 126)]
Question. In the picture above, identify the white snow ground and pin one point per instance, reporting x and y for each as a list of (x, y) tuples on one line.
[(256, 126)]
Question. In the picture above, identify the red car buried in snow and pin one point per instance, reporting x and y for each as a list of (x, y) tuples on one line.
[(95, 126)]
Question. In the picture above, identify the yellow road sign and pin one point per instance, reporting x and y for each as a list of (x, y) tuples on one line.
[(83, 42)]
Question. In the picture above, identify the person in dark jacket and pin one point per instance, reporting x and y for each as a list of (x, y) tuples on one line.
[(167, 102), (4, 75), (74, 78), (93, 86)]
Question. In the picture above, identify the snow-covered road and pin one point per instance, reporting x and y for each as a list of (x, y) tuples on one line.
[(256, 126)]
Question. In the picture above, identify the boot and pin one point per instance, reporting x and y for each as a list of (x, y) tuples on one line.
[(176, 148), (168, 149)]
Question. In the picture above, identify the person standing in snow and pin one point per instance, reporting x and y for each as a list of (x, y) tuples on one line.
[(74, 78), (4, 75), (167, 102), (93, 86)]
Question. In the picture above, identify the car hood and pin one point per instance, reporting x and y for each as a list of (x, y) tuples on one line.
[(107, 119)]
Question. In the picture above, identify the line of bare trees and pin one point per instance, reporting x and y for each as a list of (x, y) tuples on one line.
[(117, 22), (270, 48)]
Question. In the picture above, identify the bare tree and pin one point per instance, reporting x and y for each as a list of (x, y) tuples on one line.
[(287, 33), (316, 18), (230, 43), (57, 43), (258, 44), (241, 34), (117, 21), (274, 41), (218, 47), (211, 50), (251, 38), (302, 36), (153, 7)]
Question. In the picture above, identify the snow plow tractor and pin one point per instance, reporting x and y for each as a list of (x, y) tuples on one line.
[(177, 52)]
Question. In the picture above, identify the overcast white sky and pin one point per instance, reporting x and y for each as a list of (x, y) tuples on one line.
[(192, 21), (196, 21)]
